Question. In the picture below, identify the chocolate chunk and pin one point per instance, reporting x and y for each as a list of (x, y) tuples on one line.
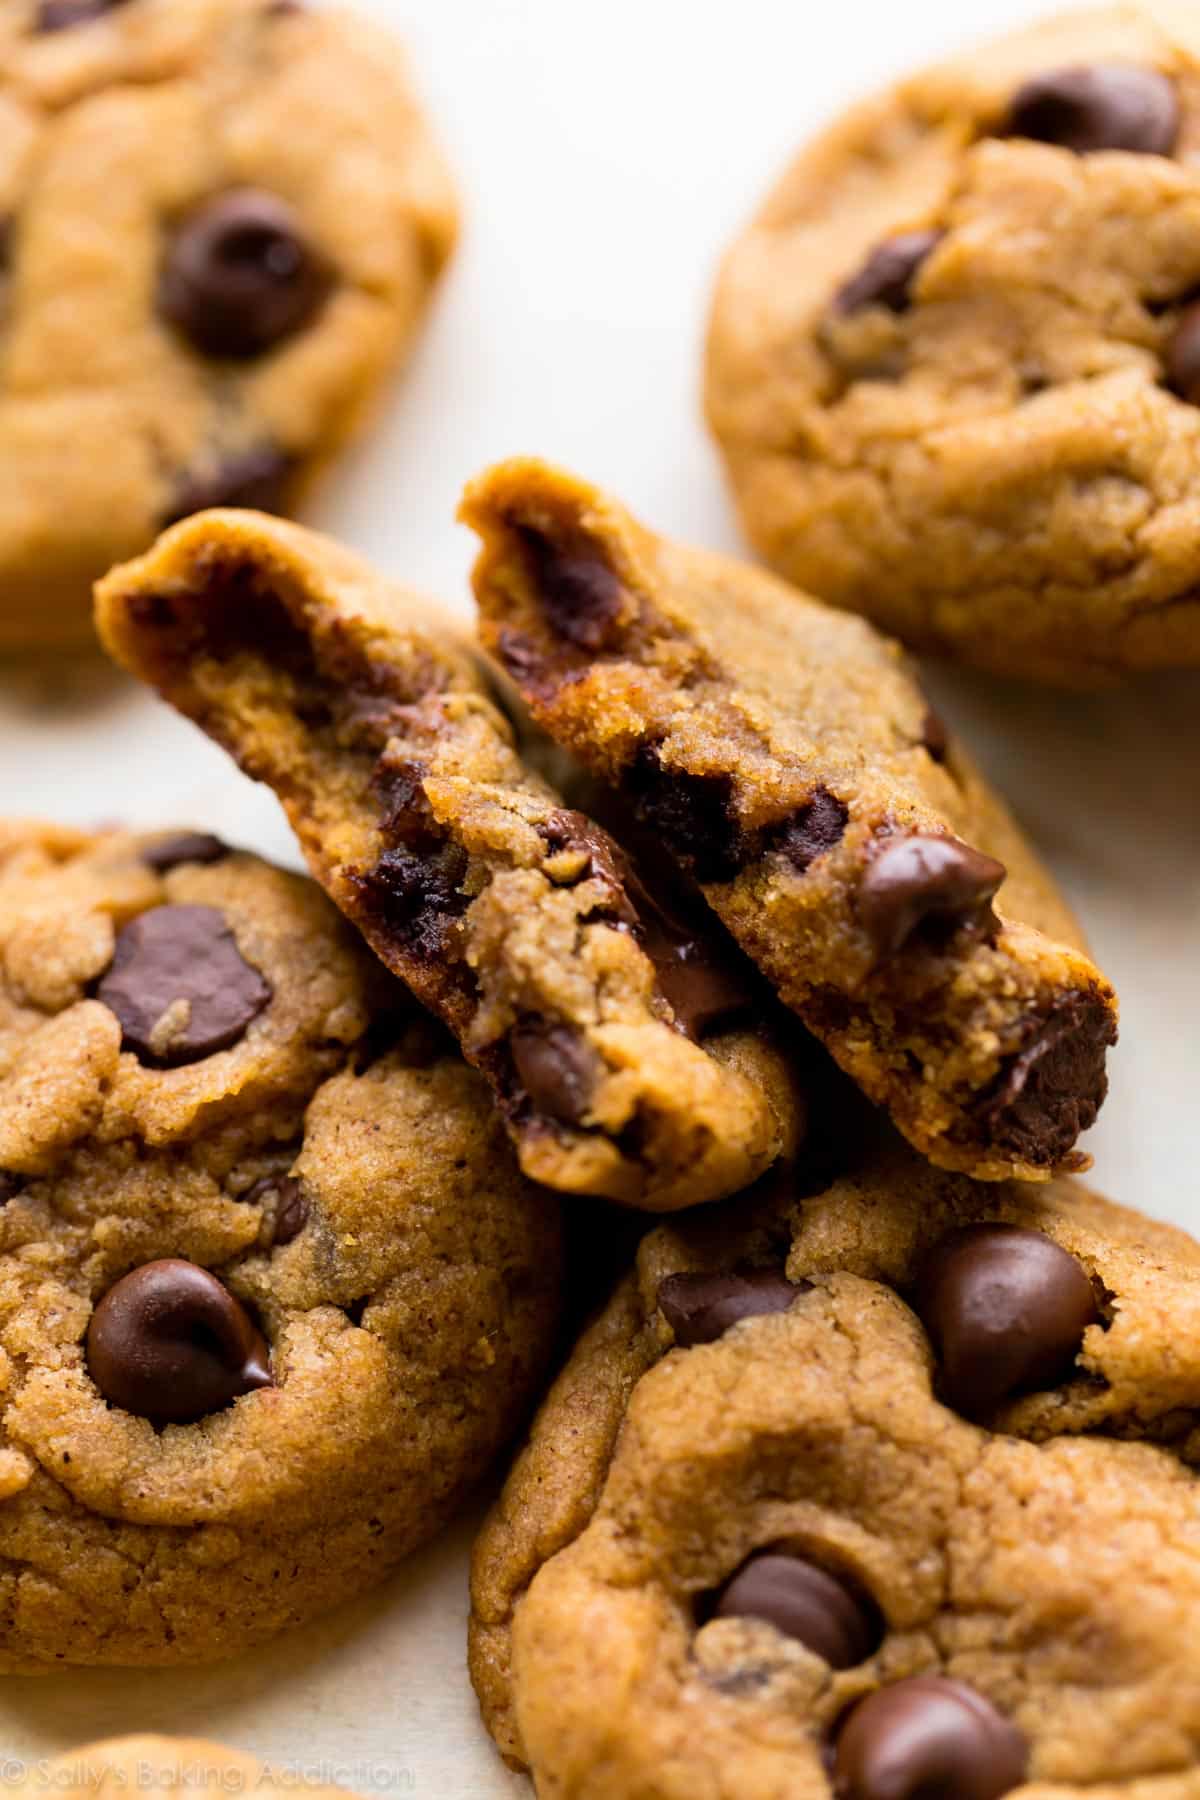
[(417, 899), (1182, 355), (927, 1738), (693, 814), (556, 1068), (60, 15), (701, 1308), (171, 1344), (290, 1202), (577, 591), (10, 1186), (804, 1602), (1112, 106), (924, 882), (1053, 1089), (180, 986), (935, 739), (239, 276), (257, 479), (183, 847), (887, 276), (406, 814), (813, 830), (1006, 1310)]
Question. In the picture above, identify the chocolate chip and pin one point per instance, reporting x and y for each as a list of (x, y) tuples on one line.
[(258, 479), (287, 1196), (887, 276), (556, 1068), (239, 276), (416, 899), (693, 814), (813, 830), (168, 853), (927, 1738), (171, 1344), (1112, 106), (701, 1308), (10, 1186), (1006, 1310), (180, 986), (406, 813), (1052, 1090), (935, 739), (60, 15), (1182, 356), (804, 1602), (576, 589), (926, 882)]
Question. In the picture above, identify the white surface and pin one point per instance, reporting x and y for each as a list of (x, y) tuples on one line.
[(607, 151)]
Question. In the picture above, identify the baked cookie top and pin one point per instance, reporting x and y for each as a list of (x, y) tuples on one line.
[(785, 755), (272, 1289), (632, 1050), (954, 362), (895, 1482), (221, 223)]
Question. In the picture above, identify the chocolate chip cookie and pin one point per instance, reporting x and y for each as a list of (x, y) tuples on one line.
[(160, 1766), (787, 757), (272, 1289), (889, 1490), (623, 1036), (220, 224), (954, 364)]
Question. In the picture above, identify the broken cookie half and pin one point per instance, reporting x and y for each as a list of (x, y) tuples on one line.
[(787, 757), (624, 1043)]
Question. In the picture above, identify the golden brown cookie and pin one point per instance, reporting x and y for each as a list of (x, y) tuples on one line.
[(163, 1767), (273, 1291), (624, 1039), (954, 363), (895, 1481), (786, 756), (220, 225)]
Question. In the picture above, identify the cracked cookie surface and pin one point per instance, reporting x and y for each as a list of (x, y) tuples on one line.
[(625, 1039), (220, 225), (785, 755), (273, 1291), (954, 362), (762, 1533)]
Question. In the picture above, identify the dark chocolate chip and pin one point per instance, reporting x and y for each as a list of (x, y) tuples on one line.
[(10, 1186), (693, 814), (1182, 355), (1006, 1310), (804, 1602), (1052, 1090), (813, 830), (701, 1308), (180, 986), (887, 276), (556, 1068), (417, 899), (168, 853), (60, 15), (171, 1344), (257, 479), (927, 1738), (935, 739), (407, 815), (290, 1202), (239, 276), (1111, 106), (577, 590), (926, 882)]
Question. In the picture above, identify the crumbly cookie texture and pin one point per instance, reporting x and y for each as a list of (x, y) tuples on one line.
[(895, 1482), (166, 1767), (954, 363), (220, 224), (787, 757), (620, 1039), (273, 1291)]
